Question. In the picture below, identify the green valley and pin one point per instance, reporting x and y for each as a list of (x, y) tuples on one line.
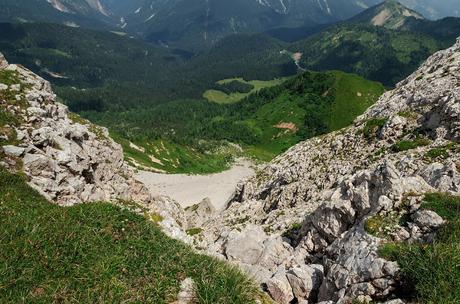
[(264, 123)]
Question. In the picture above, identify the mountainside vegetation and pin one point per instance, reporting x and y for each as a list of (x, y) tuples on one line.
[(111, 78), (101, 253), (376, 53), (265, 123), (93, 70), (432, 272)]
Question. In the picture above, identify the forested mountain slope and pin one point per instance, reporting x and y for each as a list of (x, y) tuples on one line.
[(265, 123)]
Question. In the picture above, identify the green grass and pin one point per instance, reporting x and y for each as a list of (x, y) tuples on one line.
[(441, 153), (223, 98), (170, 157), (8, 77), (6, 118), (405, 145), (372, 127), (99, 253), (432, 272), (352, 98), (194, 231)]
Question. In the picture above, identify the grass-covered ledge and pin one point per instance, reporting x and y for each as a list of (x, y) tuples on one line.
[(99, 253), (432, 272)]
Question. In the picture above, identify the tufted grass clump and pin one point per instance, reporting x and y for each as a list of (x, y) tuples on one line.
[(405, 145), (373, 126), (194, 231), (441, 153), (99, 253), (432, 271)]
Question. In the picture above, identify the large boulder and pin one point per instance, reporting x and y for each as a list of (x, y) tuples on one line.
[(13, 151), (279, 288), (247, 245), (305, 280)]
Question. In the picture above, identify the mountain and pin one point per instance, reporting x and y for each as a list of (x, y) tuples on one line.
[(194, 24), (373, 52), (389, 14), (189, 24), (364, 214), (86, 13), (384, 43), (55, 169), (434, 9)]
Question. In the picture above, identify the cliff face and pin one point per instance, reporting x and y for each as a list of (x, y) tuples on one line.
[(298, 225), (66, 158)]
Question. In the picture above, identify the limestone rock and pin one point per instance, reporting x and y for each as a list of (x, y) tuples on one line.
[(187, 292), (3, 62), (314, 200), (427, 219), (246, 246), (279, 288), (304, 280), (198, 214), (13, 151), (71, 161)]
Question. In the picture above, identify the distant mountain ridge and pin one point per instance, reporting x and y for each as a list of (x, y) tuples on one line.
[(196, 25), (389, 14)]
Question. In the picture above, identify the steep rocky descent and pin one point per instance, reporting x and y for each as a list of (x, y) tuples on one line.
[(298, 225), (66, 158)]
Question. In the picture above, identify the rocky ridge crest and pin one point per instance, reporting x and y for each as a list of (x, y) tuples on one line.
[(299, 225), (66, 158)]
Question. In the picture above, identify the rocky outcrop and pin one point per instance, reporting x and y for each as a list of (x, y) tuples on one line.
[(310, 208), (69, 161), (66, 158)]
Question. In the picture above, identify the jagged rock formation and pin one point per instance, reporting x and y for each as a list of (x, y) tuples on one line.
[(299, 225), (66, 158), (69, 161)]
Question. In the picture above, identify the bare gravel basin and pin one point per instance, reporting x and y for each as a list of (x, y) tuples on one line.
[(192, 189)]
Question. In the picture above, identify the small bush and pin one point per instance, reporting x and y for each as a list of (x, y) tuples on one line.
[(292, 232), (441, 152)]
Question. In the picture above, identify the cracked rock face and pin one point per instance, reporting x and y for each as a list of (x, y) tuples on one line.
[(311, 203), (68, 159)]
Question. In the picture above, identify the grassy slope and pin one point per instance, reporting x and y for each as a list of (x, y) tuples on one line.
[(351, 96), (98, 253), (167, 156), (432, 272), (224, 98)]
